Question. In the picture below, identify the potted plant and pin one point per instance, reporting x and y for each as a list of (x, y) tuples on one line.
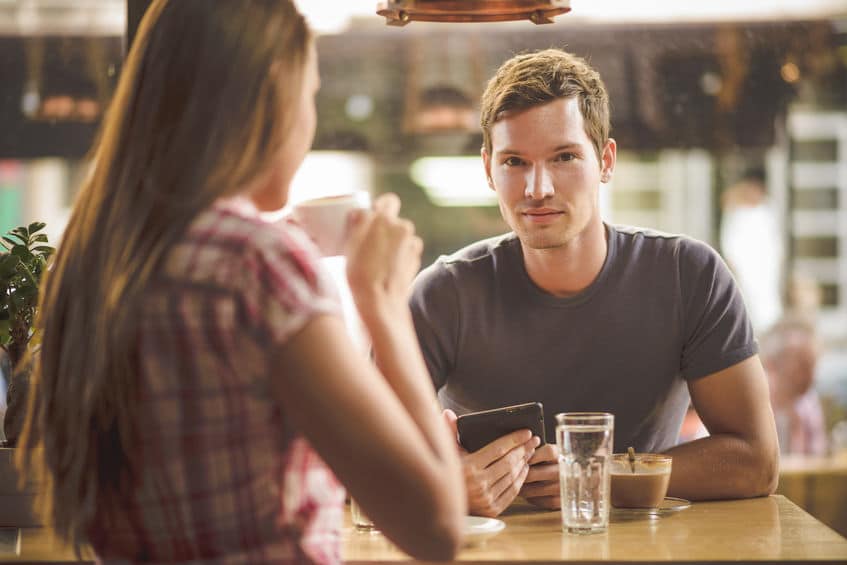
[(23, 259)]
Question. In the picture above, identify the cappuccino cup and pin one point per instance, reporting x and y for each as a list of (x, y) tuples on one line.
[(642, 483), (325, 219)]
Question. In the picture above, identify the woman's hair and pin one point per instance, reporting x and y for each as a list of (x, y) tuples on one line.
[(205, 101), (533, 79)]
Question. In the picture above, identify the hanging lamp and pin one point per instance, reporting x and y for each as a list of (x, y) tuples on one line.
[(401, 12)]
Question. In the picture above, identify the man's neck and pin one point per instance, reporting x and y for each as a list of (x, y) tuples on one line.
[(570, 269)]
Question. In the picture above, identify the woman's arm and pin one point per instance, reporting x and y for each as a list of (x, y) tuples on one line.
[(380, 430)]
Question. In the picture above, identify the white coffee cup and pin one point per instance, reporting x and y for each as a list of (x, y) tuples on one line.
[(325, 219)]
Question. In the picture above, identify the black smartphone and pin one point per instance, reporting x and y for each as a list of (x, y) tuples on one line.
[(478, 429)]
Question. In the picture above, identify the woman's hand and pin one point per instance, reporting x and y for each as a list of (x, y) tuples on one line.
[(383, 255)]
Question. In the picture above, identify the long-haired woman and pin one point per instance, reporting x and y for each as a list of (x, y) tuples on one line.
[(196, 393)]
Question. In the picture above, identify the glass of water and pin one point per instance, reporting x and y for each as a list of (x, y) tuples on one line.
[(584, 441), (359, 518)]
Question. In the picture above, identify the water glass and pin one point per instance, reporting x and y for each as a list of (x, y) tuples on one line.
[(359, 518), (584, 441)]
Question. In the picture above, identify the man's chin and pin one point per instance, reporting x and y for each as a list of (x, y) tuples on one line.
[(541, 241)]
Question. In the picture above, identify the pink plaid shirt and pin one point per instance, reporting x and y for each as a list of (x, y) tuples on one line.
[(223, 477)]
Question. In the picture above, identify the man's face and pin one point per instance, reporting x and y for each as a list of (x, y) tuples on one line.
[(546, 173)]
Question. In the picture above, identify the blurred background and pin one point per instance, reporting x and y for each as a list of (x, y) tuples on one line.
[(730, 118)]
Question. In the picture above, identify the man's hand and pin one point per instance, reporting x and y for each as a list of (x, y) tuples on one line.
[(494, 474), (541, 486)]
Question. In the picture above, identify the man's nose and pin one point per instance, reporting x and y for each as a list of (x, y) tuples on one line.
[(539, 184)]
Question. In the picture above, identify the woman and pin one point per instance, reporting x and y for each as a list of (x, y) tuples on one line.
[(195, 372)]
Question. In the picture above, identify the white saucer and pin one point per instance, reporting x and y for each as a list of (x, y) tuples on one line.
[(479, 529)]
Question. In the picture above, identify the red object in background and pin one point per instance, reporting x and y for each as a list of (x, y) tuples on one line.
[(692, 427)]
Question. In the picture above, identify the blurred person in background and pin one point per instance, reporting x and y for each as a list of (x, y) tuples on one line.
[(692, 426), (804, 296), (197, 394), (790, 352), (751, 243), (582, 315)]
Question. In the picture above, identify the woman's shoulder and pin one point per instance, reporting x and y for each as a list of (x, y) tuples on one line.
[(230, 241)]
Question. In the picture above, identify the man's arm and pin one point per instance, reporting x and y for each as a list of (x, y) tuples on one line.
[(740, 458)]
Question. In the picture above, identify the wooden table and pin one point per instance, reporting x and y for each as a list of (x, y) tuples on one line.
[(763, 530), (769, 530), (818, 485)]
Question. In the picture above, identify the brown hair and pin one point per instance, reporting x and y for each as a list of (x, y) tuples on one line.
[(532, 79), (203, 106)]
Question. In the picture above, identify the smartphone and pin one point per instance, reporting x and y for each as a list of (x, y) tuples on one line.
[(478, 429)]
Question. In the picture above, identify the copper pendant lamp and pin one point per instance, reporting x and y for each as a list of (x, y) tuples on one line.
[(401, 12)]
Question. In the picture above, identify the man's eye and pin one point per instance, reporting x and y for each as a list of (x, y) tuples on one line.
[(512, 162), (565, 157)]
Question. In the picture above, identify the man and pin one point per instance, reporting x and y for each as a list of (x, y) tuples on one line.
[(790, 352), (585, 316)]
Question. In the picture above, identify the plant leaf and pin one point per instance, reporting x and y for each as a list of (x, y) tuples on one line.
[(8, 265), (21, 232), (11, 242), (45, 249), (35, 227), (21, 251), (40, 237)]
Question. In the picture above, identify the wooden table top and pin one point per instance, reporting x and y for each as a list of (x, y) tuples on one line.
[(771, 529), (764, 530)]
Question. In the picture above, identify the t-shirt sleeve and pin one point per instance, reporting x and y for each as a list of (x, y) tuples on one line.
[(288, 286), (717, 330), (435, 312)]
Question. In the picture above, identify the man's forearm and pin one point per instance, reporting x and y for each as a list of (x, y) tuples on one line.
[(723, 466)]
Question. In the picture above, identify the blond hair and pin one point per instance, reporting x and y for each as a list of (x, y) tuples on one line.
[(532, 79), (203, 106)]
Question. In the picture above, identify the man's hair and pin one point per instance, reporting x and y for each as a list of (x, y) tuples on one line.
[(532, 79)]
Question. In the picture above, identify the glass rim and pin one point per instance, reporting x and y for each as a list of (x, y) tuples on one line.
[(600, 416), (644, 457)]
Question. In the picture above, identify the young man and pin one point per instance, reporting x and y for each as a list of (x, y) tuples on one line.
[(587, 316)]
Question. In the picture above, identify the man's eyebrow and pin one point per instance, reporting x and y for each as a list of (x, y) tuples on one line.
[(565, 146), (568, 145)]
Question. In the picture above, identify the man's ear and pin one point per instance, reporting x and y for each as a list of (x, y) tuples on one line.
[(486, 162), (608, 160)]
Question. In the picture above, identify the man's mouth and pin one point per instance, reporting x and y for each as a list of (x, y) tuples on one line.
[(540, 215), (541, 211)]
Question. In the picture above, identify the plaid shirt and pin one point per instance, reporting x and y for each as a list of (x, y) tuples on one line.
[(223, 477)]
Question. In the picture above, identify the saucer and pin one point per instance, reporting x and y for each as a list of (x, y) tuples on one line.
[(669, 505), (479, 529)]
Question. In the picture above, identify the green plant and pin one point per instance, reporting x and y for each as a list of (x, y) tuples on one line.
[(21, 267)]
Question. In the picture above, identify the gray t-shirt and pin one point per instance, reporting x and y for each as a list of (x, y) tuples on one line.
[(663, 310)]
